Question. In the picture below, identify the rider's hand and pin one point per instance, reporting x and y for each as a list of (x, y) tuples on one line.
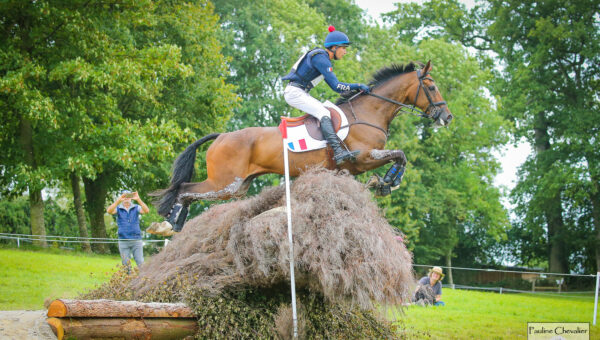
[(364, 88)]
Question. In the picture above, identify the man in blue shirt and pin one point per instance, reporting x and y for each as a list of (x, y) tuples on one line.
[(312, 67), (128, 221)]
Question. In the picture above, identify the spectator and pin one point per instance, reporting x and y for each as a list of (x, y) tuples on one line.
[(128, 221), (429, 289)]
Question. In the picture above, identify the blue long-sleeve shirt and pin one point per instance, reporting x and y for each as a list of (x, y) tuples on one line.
[(315, 64)]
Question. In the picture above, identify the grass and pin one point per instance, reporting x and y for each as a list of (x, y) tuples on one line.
[(28, 277), (485, 315)]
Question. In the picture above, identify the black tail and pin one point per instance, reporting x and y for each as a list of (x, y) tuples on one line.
[(183, 171)]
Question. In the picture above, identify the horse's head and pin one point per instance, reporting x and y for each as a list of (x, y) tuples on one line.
[(428, 98)]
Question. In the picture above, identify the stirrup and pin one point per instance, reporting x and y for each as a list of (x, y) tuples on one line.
[(346, 155)]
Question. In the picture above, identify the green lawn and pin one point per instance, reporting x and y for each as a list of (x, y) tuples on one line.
[(28, 277), (485, 315)]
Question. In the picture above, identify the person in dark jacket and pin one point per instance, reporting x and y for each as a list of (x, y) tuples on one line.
[(310, 69), (128, 221)]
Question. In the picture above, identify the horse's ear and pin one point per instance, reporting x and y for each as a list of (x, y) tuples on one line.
[(427, 67)]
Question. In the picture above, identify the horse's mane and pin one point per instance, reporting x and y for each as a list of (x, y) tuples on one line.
[(381, 76)]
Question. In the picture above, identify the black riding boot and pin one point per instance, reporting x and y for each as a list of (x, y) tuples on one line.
[(340, 154)]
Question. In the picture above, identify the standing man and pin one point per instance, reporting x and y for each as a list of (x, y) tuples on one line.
[(128, 221)]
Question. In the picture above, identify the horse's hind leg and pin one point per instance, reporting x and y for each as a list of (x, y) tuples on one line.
[(207, 190)]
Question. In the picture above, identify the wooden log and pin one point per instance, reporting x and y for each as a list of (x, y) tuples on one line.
[(117, 309), (123, 328), (56, 327)]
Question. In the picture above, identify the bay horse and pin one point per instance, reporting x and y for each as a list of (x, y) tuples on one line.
[(235, 158)]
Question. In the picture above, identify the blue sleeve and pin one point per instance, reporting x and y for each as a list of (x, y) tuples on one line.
[(438, 288), (424, 280), (322, 63)]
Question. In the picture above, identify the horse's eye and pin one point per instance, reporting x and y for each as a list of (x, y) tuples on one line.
[(432, 88)]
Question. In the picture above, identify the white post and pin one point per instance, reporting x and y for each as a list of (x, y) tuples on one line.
[(500, 290), (596, 298), (289, 221), (18, 243), (166, 242)]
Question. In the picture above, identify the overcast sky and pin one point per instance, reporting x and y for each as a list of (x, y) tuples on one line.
[(511, 157)]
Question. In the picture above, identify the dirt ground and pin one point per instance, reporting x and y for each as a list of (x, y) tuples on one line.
[(25, 324)]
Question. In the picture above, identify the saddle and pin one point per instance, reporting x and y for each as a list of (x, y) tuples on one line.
[(313, 125)]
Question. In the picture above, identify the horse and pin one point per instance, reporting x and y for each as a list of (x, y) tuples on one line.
[(235, 158)]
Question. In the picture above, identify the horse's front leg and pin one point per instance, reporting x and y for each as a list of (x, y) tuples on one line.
[(385, 156), (393, 176)]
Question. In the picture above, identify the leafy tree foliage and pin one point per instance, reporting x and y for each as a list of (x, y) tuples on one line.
[(548, 86), (104, 90)]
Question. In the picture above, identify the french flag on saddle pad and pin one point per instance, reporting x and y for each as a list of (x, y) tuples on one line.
[(298, 145), (294, 145)]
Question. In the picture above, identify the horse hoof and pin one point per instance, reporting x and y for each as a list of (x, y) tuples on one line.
[(152, 228), (163, 228), (373, 181)]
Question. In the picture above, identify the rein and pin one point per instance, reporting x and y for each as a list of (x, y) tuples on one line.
[(410, 109)]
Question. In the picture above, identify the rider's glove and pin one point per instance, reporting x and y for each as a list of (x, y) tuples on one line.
[(364, 88)]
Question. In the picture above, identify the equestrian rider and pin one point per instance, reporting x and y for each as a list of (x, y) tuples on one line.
[(312, 67)]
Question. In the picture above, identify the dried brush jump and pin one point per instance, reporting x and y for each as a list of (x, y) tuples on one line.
[(343, 247)]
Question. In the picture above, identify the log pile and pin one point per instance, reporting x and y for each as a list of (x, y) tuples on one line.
[(108, 319)]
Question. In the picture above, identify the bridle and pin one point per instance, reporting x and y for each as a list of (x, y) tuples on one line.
[(435, 107)]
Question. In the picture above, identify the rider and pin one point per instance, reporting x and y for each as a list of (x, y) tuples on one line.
[(312, 67)]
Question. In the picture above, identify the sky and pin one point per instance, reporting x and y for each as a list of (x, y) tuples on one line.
[(511, 157)]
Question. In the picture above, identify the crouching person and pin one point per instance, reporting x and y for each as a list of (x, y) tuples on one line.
[(429, 288)]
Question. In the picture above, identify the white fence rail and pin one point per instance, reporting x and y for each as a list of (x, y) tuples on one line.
[(69, 239)]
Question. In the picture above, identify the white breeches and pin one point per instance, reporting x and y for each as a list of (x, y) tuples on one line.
[(303, 101)]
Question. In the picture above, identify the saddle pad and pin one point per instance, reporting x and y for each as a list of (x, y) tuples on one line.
[(304, 133)]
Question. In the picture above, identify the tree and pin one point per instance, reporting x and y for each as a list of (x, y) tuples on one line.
[(548, 86), (79, 211), (550, 48), (117, 85)]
